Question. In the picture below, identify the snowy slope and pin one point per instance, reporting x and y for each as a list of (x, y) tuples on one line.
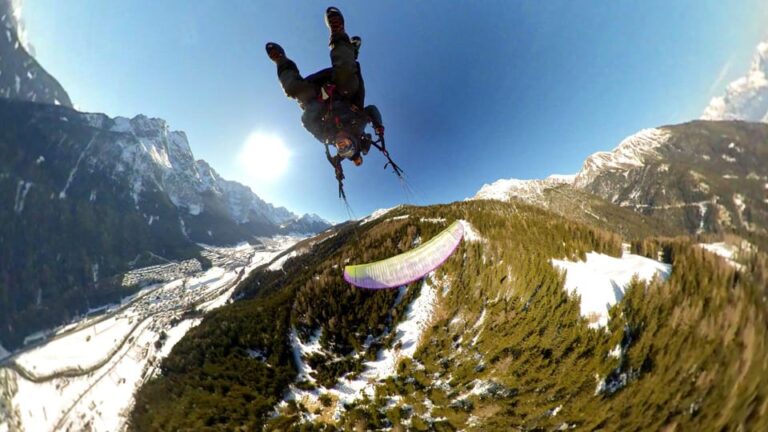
[(600, 281)]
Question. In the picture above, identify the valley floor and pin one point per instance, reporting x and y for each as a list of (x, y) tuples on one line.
[(85, 376)]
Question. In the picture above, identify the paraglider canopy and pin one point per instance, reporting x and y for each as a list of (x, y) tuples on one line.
[(409, 266)]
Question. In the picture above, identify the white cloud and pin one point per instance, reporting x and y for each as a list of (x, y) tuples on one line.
[(746, 98)]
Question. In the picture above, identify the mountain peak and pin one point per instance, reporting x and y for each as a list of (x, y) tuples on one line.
[(22, 77), (527, 190), (632, 152)]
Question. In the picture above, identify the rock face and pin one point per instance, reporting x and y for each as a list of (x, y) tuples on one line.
[(702, 176), (635, 151), (705, 176), (21, 76)]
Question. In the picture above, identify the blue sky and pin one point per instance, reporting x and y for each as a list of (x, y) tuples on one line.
[(470, 92)]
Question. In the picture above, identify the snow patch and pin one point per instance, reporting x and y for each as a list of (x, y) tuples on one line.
[(615, 352), (22, 188), (408, 333), (727, 251), (470, 233), (63, 193), (194, 209), (280, 262), (377, 214), (601, 280), (40, 160), (433, 220), (702, 215)]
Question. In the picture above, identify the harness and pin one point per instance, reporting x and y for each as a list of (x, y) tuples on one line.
[(326, 96)]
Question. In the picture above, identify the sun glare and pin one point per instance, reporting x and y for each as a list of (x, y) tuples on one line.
[(264, 156)]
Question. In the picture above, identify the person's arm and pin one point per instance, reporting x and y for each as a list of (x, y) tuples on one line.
[(375, 115)]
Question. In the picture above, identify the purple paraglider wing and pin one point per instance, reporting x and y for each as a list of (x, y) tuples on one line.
[(409, 266)]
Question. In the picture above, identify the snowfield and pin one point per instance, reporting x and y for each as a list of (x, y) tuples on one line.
[(85, 376), (601, 281), (82, 348)]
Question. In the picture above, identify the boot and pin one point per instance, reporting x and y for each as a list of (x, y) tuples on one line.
[(334, 20), (275, 52)]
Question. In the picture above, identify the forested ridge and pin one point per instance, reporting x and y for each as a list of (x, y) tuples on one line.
[(674, 354)]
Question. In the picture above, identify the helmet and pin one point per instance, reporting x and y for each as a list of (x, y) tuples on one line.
[(345, 145)]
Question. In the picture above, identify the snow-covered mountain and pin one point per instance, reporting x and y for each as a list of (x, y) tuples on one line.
[(95, 196), (151, 155), (21, 76), (91, 197), (701, 176), (526, 190), (747, 97), (634, 151)]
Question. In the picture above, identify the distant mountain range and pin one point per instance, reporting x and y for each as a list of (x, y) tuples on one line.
[(90, 197), (698, 177)]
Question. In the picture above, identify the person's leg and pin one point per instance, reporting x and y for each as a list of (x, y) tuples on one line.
[(344, 67), (343, 55), (294, 85)]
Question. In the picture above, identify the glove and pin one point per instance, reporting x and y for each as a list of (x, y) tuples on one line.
[(379, 130)]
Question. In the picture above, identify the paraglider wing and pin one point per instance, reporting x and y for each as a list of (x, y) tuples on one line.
[(409, 266)]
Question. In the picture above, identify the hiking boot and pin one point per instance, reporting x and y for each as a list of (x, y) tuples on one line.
[(275, 52), (334, 20)]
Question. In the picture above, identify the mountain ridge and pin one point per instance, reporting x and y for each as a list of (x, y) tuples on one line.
[(697, 174)]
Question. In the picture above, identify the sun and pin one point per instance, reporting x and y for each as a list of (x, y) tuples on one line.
[(264, 156)]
